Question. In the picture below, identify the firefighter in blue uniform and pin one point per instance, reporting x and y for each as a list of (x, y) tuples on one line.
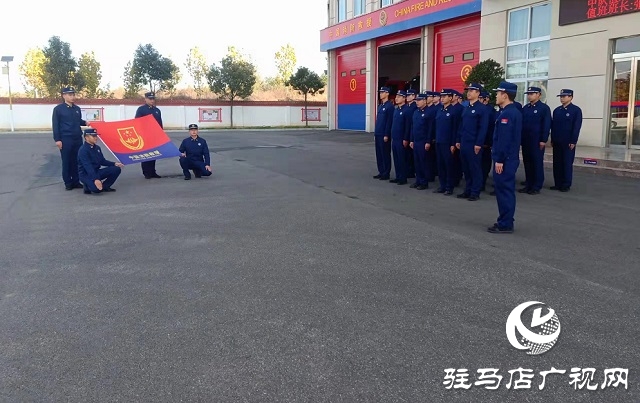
[(446, 129), (471, 137), (382, 135), (485, 98), (432, 154), (400, 135), (565, 130), (457, 109), (195, 155), (149, 108), (506, 156), (96, 179), (67, 134), (421, 133), (536, 124), (411, 101)]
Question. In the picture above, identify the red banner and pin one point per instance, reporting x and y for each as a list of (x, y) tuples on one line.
[(136, 140)]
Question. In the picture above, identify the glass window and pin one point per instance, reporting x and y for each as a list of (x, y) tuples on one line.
[(541, 21), (467, 56), (627, 45), (342, 10), (448, 59), (358, 7), (528, 48), (384, 3)]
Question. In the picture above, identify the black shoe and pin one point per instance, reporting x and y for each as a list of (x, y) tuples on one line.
[(555, 188), (438, 191), (448, 193), (413, 185), (463, 196), (534, 192), (495, 225), (187, 178), (422, 187), (393, 181), (87, 192), (198, 175), (401, 183), (68, 187), (523, 190), (498, 230), (108, 190), (564, 190), (147, 177), (473, 198), (384, 178), (377, 176), (77, 186)]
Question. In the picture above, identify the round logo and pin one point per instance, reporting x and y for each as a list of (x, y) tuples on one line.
[(353, 84), (383, 18), (464, 73), (541, 335)]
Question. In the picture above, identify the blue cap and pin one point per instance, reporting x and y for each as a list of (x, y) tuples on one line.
[(402, 93), (484, 94), (447, 91), (533, 90), (422, 95), (412, 92), (193, 126), (150, 95), (90, 132), (474, 86), (432, 93), (68, 90), (384, 89), (565, 93), (507, 87), (458, 93)]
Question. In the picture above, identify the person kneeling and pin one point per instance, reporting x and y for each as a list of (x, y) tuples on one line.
[(90, 161), (195, 155)]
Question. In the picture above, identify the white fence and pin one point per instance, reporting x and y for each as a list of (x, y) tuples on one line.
[(37, 116)]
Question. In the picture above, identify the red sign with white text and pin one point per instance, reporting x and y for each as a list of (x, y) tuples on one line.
[(574, 11)]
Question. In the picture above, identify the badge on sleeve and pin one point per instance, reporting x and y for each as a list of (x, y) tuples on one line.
[(504, 121)]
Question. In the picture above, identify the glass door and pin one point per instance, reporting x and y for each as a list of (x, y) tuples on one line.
[(634, 124), (624, 116)]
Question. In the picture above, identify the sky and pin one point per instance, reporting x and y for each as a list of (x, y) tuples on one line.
[(113, 30)]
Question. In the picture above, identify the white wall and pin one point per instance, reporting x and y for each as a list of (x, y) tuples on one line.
[(38, 116)]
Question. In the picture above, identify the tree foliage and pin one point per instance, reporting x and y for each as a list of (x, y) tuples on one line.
[(60, 68), (234, 78), (171, 85), (306, 82), (489, 73), (32, 72), (89, 69), (286, 61), (197, 68), (150, 68), (131, 86)]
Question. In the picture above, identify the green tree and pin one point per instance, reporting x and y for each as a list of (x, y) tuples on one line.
[(131, 86), (170, 86), (234, 78), (197, 68), (306, 82), (105, 93), (32, 72), (285, 63), (89, 69), (488, 73), (60, 67), (150, 68)]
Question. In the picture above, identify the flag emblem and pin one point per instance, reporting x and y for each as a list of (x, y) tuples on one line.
[(130, 138), (504, 121)]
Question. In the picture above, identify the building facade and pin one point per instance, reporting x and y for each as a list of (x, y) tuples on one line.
[(590, 46)]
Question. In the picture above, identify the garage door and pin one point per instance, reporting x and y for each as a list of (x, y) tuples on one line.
[(352, 92), (457, 51)]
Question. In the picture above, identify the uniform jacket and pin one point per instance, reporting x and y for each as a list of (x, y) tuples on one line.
[(421, 128), (401, 125), (196, 149), (506, 136), (473, 124), (566, 124), (90, 159), (66, 121), (536, 122), (384, 119), (446, 125), (145, 110)]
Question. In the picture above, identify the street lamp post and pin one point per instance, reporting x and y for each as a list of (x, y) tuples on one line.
[(8, 59)]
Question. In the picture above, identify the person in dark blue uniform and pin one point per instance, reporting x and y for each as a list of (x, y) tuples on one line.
[(565, 130), (411, 101), (421, 133), (485, 98), (400, 135), (457, 109), (95, 179), (67, 134), (432, 154), (471, 137), (446, 129), (536, 124), (195, 155), (382, 135), (149, 108), (506, 156)]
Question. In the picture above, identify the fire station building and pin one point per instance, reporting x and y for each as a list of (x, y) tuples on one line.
[(590, 46)]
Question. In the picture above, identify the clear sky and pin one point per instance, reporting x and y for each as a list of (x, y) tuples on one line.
[(113, 30)]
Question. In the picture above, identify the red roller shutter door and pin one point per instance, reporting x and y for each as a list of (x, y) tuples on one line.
[(352, 92), (457, 51)]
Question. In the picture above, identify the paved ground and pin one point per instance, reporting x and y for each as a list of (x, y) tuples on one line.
[(291, 275)]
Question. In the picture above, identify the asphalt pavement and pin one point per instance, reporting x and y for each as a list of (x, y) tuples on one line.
[(290, 275)]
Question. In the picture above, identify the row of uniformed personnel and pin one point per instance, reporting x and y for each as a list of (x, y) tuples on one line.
[(448, 140), (82, 163)]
